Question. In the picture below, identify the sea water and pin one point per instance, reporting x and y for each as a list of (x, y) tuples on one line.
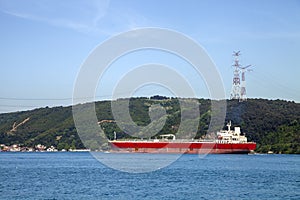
[(69, 175)]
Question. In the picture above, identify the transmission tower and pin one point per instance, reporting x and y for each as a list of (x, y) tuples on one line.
[(236, 89), (243, 84), (239, 87)]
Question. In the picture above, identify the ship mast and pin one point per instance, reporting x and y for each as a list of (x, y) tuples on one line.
[(229, 126)]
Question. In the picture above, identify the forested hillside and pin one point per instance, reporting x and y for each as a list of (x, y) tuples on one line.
[(273, 124)]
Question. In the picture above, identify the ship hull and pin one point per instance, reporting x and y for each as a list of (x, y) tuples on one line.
[(182, 147)]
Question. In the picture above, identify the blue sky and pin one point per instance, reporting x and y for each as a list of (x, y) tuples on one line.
[(44, 42)]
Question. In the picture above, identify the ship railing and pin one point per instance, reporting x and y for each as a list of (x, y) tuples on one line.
[(166, 140), (184, 140)]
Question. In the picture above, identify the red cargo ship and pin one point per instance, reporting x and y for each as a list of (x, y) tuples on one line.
[(227, 142)]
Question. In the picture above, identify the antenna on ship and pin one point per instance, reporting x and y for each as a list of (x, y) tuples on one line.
[(115, 135), (239, 87)]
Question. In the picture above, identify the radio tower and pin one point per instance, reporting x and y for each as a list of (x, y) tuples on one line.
[(238, 86)]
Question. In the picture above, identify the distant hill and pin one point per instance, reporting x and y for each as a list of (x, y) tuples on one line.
[(273, 124)]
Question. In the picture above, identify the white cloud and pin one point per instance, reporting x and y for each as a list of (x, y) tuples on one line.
[(90, 17)]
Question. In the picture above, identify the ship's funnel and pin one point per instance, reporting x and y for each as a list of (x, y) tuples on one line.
[(237, 130)]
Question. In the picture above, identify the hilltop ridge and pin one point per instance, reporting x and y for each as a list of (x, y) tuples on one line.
[(273, 124)]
